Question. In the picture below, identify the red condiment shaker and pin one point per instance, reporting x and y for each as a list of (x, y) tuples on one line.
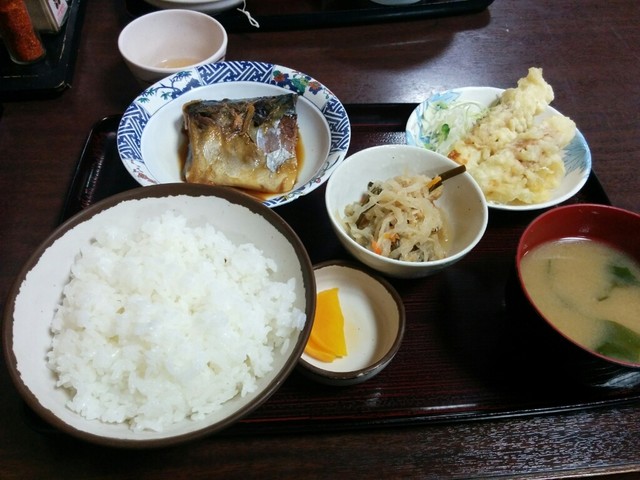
[(19, 36)]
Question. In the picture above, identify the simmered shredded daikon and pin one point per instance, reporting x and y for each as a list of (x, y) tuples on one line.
[(397, 218)]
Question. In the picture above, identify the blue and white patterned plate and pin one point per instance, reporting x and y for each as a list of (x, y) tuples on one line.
[(577, 156), (150, 136)]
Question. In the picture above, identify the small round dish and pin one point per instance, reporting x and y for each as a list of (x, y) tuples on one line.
[(150, 138), (211, 6), (577, 156), (374, 325), (181, 39)]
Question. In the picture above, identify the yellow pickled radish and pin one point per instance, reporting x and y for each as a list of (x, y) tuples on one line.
[(317, 352), (327, 341)]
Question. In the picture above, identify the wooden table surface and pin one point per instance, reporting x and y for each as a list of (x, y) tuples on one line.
[(590, 53)]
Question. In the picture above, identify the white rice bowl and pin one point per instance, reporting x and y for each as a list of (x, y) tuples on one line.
[(228, 338)]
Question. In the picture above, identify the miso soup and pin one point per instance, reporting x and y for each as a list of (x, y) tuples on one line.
[(590, 292)]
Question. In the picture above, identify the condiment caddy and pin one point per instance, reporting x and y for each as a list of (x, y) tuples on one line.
[(53, 28)]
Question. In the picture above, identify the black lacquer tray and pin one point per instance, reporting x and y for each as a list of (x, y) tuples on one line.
[(468, 352), (309, 14)]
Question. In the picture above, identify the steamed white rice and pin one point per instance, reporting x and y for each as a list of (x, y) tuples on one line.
[(168, 322)]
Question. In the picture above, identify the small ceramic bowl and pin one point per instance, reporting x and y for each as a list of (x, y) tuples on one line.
[(604, 224), (206, 6), (165, 42), (374, 325), (462, 203)]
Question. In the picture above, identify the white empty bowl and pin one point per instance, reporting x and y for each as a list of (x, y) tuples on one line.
[(165, 42), (462, 202)]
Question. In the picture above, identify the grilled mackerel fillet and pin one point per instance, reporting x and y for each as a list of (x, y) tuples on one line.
[(248, 143)]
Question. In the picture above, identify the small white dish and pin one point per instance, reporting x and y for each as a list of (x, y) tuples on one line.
[(374, 324), (211, 6), (577, 156), (162, 43), (150, 135)]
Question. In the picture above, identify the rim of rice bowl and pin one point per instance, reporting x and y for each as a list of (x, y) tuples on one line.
[(37, 291)]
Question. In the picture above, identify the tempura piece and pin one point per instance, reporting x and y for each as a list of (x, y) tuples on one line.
[(514, 155)]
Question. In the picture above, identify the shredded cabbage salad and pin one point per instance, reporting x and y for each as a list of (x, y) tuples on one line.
[(443, 123)]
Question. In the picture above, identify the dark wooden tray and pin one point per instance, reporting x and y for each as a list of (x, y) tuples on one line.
[(464, 355), (276, 15)]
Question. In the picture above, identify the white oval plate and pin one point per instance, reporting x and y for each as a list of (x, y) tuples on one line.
[(150, 134), (577, 156)]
